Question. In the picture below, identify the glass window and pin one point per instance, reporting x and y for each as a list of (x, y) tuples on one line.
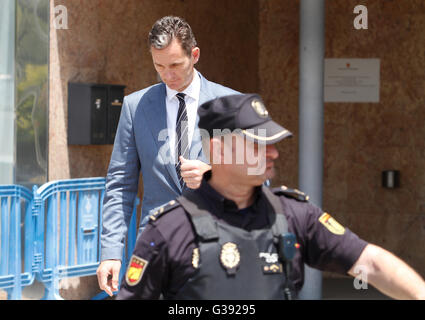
[(24, 57), (31, 74), (7, 91)]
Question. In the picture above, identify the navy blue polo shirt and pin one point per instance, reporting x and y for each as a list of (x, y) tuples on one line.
[(166, 245)]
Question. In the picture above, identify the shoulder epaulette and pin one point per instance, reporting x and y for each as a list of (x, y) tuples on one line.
[(291, 193), (164, 209)]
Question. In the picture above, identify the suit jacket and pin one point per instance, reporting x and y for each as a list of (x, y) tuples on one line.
[(141, 145)]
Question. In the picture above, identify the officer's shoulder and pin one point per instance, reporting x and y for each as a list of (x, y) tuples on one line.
[(291, 193), (164, 209)]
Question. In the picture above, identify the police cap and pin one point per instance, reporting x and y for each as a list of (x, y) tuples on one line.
[(244, 113)]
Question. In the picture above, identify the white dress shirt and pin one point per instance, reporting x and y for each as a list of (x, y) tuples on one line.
[(172, 105)]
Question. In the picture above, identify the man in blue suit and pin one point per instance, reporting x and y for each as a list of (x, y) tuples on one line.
[(158, 136)]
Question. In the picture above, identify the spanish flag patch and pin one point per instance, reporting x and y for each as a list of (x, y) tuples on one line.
[(331, 224), (135, 270)]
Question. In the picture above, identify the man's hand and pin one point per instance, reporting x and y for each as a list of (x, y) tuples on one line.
[(192, 171), (108, 274)]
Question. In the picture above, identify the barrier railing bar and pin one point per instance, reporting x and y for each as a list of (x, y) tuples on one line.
[(63, 229), (15, 249), (4, 235), (71, 228)]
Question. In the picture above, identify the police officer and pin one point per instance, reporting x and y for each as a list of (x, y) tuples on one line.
[(234, 238)]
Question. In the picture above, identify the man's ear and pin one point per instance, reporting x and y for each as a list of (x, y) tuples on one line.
[(196, 53), (216, 150)]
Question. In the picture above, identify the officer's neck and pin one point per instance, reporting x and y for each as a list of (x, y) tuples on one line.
[(242, 195)]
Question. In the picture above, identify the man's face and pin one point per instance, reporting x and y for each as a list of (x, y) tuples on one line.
[(249, 163), (174, 66)]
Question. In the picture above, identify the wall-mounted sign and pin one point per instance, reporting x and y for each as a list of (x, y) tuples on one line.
[(352, 80)]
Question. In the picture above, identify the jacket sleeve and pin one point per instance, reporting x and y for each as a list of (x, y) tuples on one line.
[(121, 188), (151, 251)]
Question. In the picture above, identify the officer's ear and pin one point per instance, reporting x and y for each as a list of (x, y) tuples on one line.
[(217, 150)]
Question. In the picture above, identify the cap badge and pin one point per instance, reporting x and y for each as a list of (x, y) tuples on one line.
[(135, 270), (259, 108), (195, 258), (230, 257)]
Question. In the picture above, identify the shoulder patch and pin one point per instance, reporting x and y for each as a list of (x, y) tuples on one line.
[(331, 224), (135, 270), (291, 193), (164, 209)]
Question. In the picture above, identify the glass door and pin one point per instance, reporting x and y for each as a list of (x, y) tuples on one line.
[(7, 91), (32, 67)]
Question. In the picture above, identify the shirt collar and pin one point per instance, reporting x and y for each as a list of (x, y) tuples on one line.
[(218, 200), (191, 91)]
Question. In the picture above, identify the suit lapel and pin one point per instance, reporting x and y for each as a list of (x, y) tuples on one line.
[(156, 115)]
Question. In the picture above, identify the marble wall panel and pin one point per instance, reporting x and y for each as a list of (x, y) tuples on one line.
[(278, 74), (387, 135), (361, 139)]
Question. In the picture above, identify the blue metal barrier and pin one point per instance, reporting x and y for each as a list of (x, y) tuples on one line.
[(71, 211), (15, 203), (62, 226)]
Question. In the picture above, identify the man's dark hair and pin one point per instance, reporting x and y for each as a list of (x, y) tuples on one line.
[(166, 29)]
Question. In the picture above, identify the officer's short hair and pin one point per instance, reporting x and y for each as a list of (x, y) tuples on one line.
[(166, 29)]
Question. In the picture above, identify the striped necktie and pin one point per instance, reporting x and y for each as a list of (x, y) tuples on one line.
[(182, 139)]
